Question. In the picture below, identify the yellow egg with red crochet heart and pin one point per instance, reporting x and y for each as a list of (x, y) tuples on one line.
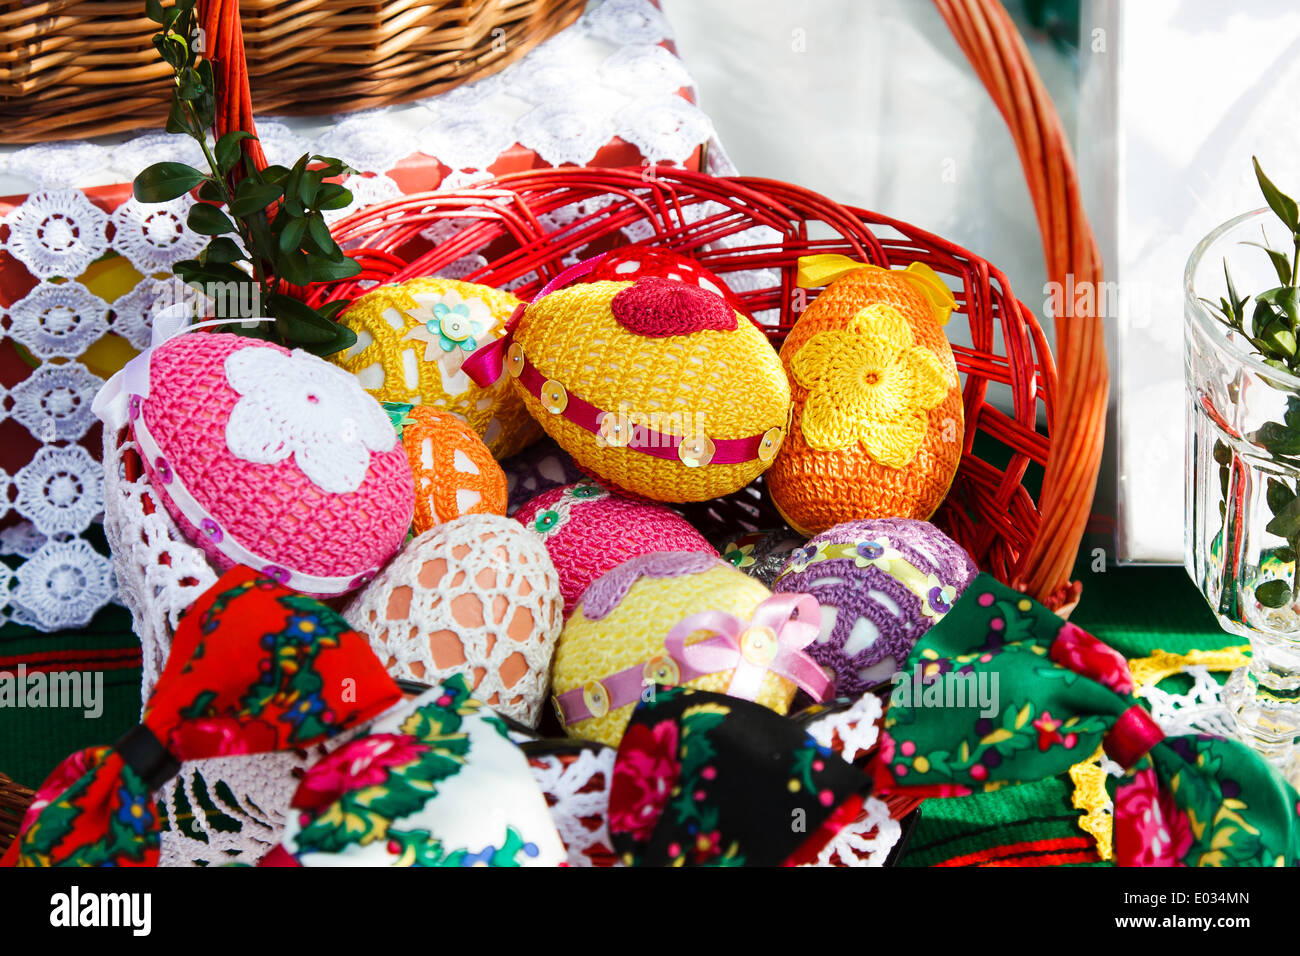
[(613, 646), (877, 428), (455, 473), (412, 338), (657, 387)]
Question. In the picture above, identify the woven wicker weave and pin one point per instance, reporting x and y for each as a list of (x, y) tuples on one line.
[(14, 801), (71, 68)]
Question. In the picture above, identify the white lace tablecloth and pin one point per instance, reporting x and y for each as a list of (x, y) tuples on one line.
[(611, 74)]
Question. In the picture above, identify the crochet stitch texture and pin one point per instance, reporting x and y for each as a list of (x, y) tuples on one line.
[(273, 509), (727, 384), (588, 531), (878, 423), (412, 338)]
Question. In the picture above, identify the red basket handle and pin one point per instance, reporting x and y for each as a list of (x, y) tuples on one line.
[(224, 47), (990, 40)]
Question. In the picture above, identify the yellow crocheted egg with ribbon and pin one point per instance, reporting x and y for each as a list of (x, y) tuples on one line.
[(657, 387), (412, 338), (613, 647), (877, 426)]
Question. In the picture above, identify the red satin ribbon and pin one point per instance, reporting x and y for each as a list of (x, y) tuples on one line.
[(486, 365), (1133, 734)]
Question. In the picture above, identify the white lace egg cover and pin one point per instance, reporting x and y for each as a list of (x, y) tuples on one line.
[(493, 572), (573, 801)]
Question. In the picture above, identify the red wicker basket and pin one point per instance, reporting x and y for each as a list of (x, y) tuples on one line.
[(1030, 546), (714, 220)]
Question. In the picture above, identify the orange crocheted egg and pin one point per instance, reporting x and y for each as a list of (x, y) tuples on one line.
[(877, 425), (657, 387), (455, 473)]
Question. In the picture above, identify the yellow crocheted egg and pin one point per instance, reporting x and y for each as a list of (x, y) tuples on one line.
[(877, 427), (621, 623), (657, 387), (412, 338)]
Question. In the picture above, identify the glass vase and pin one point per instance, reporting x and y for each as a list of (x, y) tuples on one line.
[(1243, 475)]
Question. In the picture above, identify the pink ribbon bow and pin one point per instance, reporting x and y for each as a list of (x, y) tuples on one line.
[(772, 640), (487, 364)]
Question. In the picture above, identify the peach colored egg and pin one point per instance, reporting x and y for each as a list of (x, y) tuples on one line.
[(476, 596)]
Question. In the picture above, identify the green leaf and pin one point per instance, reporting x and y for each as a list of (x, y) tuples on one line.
[(211, 191), (1277, 439), (304, 327), (328, 270), (1237, 305), (291, 235), (1286, 522), (1284, 298), (333, 196), (331, 310), (1281, 264), (1281, 204), (1273, 593), (222, 249), (307, 188), (153, 9), (174, 51), (188, 86), (1279, 495), (320, 235), (208, 220), (275, 174), (227, 150), (251, 197), (292, 268), (206, 105), (162, 182), (178, 119)]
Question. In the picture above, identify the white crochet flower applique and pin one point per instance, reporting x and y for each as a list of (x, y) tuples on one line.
[(300, 405)]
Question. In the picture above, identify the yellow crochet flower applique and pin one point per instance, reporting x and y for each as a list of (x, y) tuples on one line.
[(869, 383)]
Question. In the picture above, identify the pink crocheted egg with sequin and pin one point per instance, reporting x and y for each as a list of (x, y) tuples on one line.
[(589, 530), (273, 459)]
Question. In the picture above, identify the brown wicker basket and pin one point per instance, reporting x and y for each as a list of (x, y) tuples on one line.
[(14, 801), (72, 68)]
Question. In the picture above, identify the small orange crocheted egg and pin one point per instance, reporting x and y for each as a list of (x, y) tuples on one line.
[(877, 426), (455, 474), (657, 387), (412, 338)]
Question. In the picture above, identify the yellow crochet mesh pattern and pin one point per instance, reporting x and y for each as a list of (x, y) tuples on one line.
[(635, 630), (1089, 778), (877, 425), (413, 337), (1090, 795), (725, 384)]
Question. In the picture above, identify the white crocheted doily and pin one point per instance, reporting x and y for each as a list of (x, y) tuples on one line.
[(604, 76)]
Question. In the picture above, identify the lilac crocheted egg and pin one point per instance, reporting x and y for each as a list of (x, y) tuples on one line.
[(273, 459), (589, 530), (881, 585)]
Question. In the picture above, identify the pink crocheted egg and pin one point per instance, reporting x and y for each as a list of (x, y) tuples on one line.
[(273, 459), (588, 531)]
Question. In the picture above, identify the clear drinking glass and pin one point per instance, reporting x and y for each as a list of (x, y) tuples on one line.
[(1246, 572)]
